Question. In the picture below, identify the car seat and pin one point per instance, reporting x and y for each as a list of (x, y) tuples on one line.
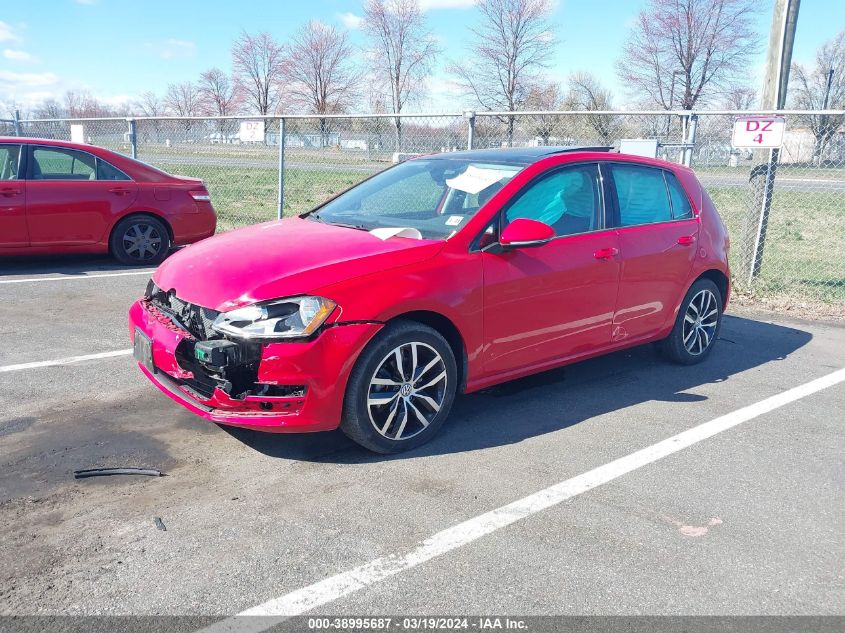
[(578, 205)]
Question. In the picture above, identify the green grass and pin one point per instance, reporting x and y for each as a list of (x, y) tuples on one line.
[(802, 258), (248, 195)]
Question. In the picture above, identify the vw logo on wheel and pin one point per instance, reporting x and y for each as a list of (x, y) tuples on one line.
[(405, 390)]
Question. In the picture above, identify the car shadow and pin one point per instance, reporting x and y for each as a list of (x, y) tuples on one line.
[(69, 265), (560, 398)]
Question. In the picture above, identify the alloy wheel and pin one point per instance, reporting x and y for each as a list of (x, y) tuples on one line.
[(407, 391), (142, 241), (700, 322)]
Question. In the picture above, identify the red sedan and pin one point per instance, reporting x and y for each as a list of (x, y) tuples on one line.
[(445, 274), (58, 197)]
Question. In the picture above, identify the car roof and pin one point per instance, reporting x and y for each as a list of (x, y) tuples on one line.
[(45, 141), (523, 155)]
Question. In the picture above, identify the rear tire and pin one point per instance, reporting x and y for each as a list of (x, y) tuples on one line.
[(697, 325), (401, 389), (140, 240)]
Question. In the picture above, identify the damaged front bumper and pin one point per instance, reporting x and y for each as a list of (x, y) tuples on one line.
[(294, 386)]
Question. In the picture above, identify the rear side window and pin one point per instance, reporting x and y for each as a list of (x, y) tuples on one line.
[(642, 195), (59, 163), (681, 207), (105, 171), (9, 161)]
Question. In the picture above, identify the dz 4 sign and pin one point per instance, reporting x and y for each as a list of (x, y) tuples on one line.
[(758, 131)]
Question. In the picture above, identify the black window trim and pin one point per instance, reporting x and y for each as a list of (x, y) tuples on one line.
[(22, 162), (500, 214), (616, 212), (30, 161)]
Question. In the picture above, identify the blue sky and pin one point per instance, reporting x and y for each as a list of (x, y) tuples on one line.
[(117, 49)]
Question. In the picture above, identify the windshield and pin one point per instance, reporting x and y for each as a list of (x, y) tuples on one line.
[(434, 196)]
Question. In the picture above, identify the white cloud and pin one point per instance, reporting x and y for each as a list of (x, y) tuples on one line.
[(9, 79), (18, 55), (7, 34), (427, 5), (174, 49), (350, 20)]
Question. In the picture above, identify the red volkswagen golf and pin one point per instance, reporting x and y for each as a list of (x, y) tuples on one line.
[(444, 274), (58, 197)]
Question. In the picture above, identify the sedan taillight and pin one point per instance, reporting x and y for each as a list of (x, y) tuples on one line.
[(200, 195)]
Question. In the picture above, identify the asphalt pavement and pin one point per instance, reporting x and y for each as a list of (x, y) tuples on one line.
[(747, 520)]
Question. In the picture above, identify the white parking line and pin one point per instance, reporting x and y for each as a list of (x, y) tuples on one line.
[(345, 583), (65, 361), (76, 277)]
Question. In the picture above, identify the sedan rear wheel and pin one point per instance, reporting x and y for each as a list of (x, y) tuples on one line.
[(140, 240), (401, 388)]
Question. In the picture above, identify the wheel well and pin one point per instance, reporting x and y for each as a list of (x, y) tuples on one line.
[(719, 278), (143, 213), (447, 330)]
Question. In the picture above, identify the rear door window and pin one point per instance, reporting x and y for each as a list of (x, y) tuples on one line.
[(59, 163), (681, 207), (9, 161), (642, 194), (106, 171)]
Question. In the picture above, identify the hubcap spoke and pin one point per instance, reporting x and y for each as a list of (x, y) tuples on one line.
[(404, 421), (417, 413), (433, 381)]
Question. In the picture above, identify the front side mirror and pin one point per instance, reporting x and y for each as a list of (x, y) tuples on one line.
[(525, 233)]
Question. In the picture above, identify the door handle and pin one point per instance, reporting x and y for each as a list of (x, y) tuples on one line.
[(120, 191), (606, 253), (8, 192), (686, 240)]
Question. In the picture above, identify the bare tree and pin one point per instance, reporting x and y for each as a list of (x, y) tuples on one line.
[(49, 109), (319, 72), (149, 104), (512, 46), (257, 62), (740, 98), (403, 50), (183, 100), (681, 52), (219, 96), (217, 93), (544, 96), (587, 93), (822, 87), (82, 104)]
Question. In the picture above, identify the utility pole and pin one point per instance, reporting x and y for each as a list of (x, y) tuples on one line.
[(778, 61)]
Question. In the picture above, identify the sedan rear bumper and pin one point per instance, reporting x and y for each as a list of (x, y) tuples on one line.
[(321, 366)]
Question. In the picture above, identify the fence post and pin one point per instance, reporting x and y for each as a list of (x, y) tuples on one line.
[(133, 137), (281, 193), (765, 202), (17, 123), (469, 115), (690, 140)]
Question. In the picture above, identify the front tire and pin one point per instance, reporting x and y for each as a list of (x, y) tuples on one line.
[(140, 240), (401, 389), (697, 325)]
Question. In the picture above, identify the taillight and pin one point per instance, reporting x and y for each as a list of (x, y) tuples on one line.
[(200, 195)]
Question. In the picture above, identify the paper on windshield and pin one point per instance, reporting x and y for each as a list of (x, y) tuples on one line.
[(475, 179), (396, 231)]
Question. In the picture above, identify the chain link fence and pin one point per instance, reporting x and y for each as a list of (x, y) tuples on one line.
[(785, 210)]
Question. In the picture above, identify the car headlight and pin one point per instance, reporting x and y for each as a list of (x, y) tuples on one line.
[(283, 318)]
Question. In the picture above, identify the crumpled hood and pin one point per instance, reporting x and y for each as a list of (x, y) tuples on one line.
[(281, 259)]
